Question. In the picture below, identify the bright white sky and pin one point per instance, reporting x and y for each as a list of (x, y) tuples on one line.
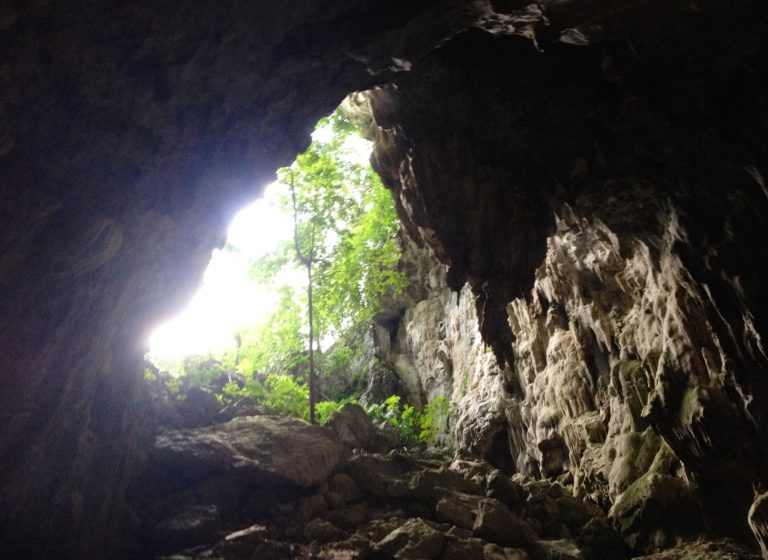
[(228, 299)]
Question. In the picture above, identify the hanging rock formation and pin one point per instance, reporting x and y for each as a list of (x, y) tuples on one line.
[(595, 173), (607, 209)]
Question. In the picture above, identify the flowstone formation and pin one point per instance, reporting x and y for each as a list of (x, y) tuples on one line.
[(606, 204), (594, 172)]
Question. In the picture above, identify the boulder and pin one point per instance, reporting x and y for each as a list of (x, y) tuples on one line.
[(575, 512), (493, 551), (504, 489), (648, 513), (599, 539), (725, 549), (415, 539), (185, 528), (356, 430), (246, 406), (322, 531), (399, 476), (345, 486), (562, 549), (458, 509), (495, 523), (256, 449), (462, 549)]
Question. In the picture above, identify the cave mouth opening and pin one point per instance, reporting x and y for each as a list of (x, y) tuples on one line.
[(249, 319)]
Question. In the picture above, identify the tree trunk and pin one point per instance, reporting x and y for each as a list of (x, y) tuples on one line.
[(312, 376)]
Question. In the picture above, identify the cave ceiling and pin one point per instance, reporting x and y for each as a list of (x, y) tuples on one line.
[(131, 132)]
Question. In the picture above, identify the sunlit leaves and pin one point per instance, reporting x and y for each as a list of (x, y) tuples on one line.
[(345, 220)]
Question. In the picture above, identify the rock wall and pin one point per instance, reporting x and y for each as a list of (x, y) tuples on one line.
[(130, 133), (605, 202)]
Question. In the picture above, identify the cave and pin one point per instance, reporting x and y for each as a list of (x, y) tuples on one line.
[(591, 177)]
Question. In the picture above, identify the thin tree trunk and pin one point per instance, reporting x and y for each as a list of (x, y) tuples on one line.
[(312, 376), (308, 261)]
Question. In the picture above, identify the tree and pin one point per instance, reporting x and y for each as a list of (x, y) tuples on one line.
[(345, 230)]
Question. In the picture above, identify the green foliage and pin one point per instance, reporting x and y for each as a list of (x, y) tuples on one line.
[(277, 345), (346, 220), (435, 419), (404, 418), (412, 425), (324, 409), (280, 393), (150, 375), (286, 396), (202, 370), (173, 386)]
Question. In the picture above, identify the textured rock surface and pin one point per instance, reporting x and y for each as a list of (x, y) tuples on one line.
[(604, 197), (704, 550), (607, 226), (356, 430), (266, 449), (129, 135)]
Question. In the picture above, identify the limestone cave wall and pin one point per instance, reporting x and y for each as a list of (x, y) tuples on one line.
[(605, 203), (594, 172)]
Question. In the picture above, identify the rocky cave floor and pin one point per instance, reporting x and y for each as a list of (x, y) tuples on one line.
[(240, 483)]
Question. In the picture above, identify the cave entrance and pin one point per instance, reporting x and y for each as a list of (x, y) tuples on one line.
[(327, 222)]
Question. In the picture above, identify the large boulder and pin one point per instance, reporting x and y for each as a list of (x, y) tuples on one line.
[(402, 477), (255, 448), (416, 539), (648, 513), (357, 431)]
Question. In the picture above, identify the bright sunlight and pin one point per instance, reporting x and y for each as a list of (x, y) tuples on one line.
[(229, 299)]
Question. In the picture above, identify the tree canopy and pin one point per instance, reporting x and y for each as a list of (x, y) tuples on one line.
[(345, 220)]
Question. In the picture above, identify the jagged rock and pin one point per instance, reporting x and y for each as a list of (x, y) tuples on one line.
[(599, 540), (648, 514), (345, 486), (356, 430), (382, 384), (504, 489), (458, 509), (274, 550), (575, 512), (758, 521), (495, 552), (254, 448), (598, 178), (415, 539), (401, 477), (349, 517), (322, 531), (241, 407), (252, 534), (309, 507), (563, 549), (194, 525), (462, 549), (200, 407), (495, 523), (704, 550)]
